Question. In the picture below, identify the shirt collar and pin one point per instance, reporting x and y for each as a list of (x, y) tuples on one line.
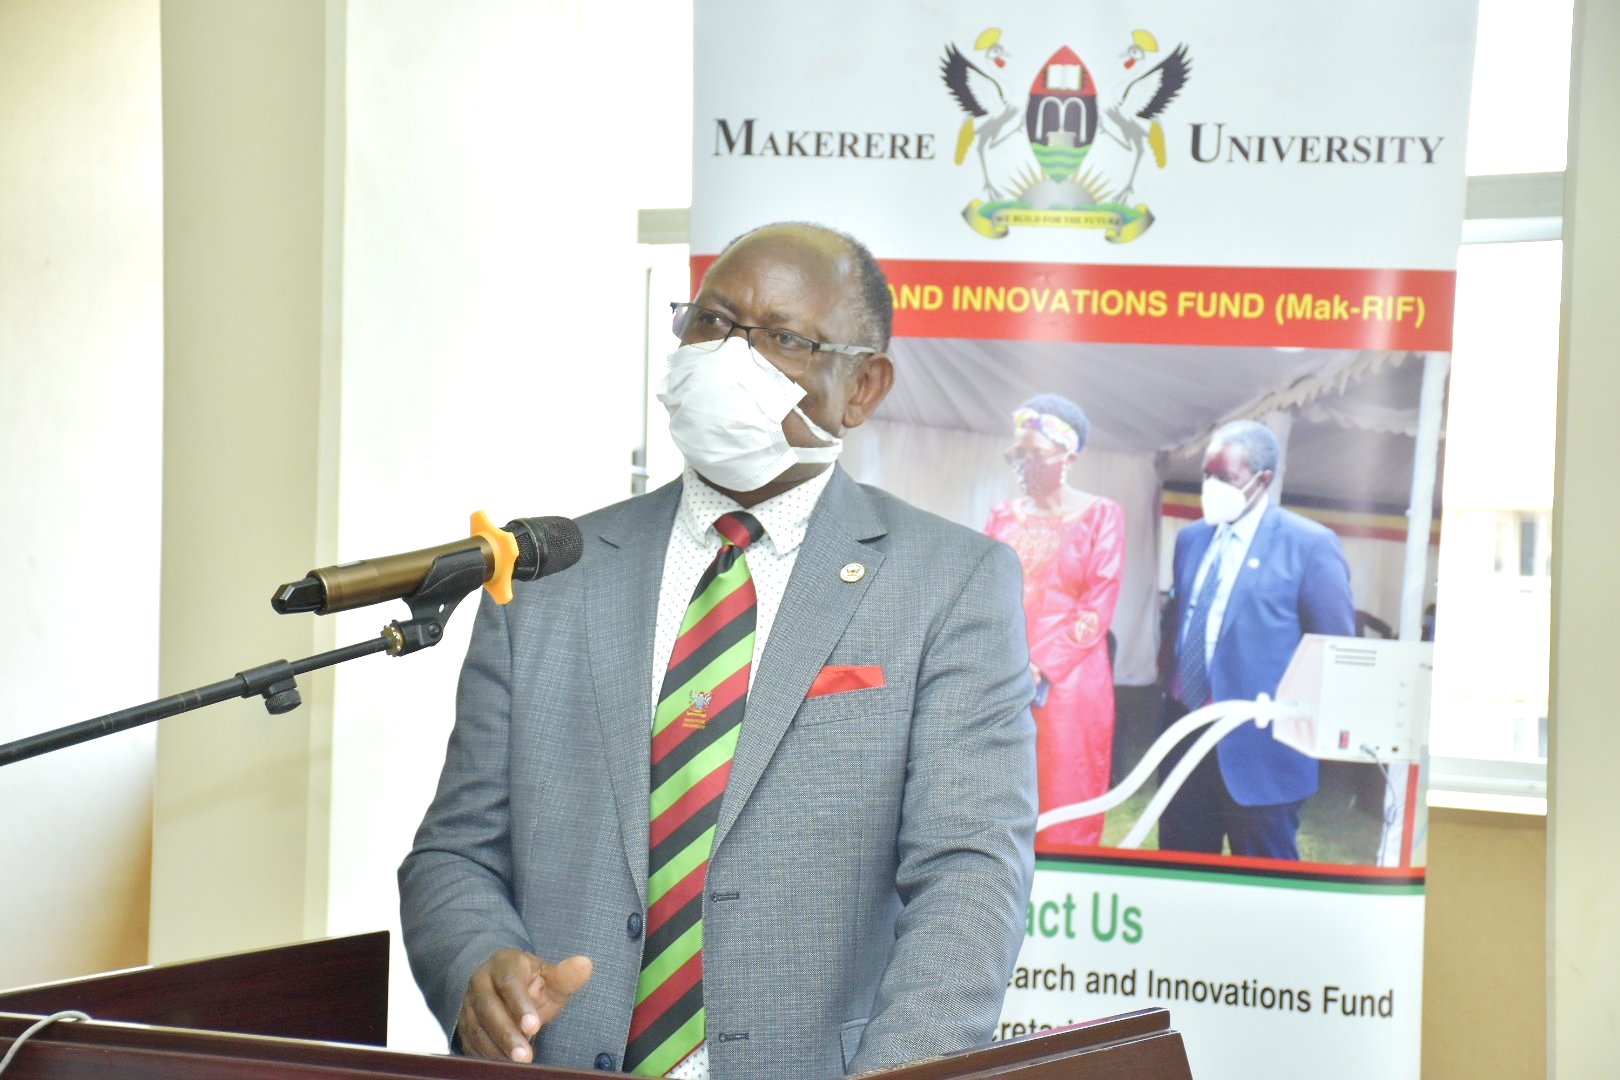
[(785, 517)]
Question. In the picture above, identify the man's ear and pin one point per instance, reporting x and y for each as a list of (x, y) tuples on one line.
[(871, 382)]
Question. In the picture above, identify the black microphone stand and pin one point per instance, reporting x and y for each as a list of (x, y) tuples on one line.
[(448, 582)]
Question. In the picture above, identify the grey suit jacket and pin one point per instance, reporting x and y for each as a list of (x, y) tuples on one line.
[(867, 887)]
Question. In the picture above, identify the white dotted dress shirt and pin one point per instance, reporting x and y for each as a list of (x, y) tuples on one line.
[(692, 546)]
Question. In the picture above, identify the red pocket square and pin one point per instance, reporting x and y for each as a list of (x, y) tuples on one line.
[(838, 678)]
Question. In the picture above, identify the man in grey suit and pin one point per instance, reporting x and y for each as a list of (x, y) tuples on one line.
[(856, 897)]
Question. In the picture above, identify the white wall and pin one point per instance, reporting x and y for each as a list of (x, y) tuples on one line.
[(1583, 875), (81, 363), (492, 336), (239, 848)]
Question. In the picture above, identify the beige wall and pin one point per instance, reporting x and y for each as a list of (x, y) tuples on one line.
[(1584, 873), (1484, 963), (240, 824), (81, 353)]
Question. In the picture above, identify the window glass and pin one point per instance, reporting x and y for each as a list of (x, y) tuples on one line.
[(1518, 117), (668, 278), (1493, 597)]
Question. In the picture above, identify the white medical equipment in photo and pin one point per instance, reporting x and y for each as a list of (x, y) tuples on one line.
[(1341, 699)]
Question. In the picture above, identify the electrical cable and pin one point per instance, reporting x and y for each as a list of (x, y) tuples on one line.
[(1219, 730), (1393, 801), (39, 1025), (1263, 711)]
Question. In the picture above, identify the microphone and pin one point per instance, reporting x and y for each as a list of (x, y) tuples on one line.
[(528, 548)]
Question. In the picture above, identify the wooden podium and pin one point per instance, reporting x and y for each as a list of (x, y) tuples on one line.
[(320, 1009)]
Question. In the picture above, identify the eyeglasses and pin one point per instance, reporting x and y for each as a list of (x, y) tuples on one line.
[(792, 353), (1017, 455)]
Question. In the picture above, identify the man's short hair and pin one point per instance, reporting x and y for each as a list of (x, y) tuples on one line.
[(1257, 443), (1065, 410), (877, 304)]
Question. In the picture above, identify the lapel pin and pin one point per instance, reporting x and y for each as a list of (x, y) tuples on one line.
[(1254, 564), (852, 572)]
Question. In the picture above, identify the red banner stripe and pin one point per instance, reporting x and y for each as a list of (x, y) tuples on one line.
[(1409, 817), (1344, 522), (1287, 307), (676, 732), (1277, 867), (668, 993)]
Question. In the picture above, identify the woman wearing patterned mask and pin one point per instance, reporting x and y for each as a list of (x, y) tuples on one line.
[(1072, 547)]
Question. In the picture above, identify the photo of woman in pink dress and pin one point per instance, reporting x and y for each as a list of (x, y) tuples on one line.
[(1071, 545)]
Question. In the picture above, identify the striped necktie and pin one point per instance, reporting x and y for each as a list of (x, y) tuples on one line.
[(1192, 670), (695, 728)]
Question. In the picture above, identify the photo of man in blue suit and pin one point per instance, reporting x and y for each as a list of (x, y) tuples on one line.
[(1250, 580)]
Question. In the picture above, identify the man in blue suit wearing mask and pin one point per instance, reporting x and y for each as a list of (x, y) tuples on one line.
[(1250, 580)]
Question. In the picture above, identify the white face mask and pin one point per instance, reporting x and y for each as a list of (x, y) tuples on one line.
[(1224, 503), (726, 408)]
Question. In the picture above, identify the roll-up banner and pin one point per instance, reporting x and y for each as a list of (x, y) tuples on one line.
[(1173, 289)]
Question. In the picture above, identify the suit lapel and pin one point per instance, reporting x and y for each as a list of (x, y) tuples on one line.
[(1258, 557), (623, 599), (816, 608)]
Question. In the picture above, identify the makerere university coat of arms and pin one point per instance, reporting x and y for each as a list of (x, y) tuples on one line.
[(1062, 119)]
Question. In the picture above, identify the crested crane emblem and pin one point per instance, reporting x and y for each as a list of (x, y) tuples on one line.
[(1063, 118)]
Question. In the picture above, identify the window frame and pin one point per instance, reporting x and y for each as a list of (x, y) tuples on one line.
[(1509, 208)]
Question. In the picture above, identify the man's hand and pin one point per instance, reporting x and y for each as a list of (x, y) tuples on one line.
[(511, 997)]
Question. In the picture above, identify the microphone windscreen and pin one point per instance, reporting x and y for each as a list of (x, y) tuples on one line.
[(545, 546)]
